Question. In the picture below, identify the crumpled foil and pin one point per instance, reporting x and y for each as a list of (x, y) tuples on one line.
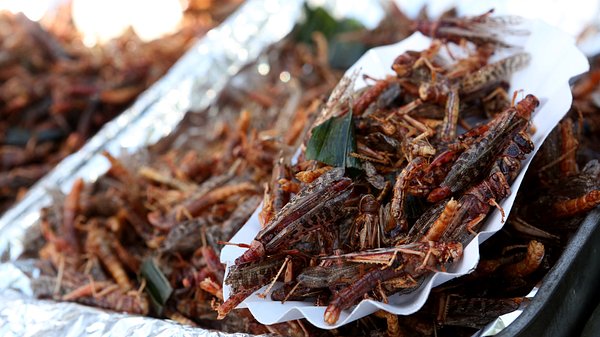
[(25, 316), (191, 84)]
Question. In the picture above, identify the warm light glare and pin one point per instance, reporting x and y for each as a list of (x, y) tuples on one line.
[(153, 19), (100, 21), (33, 9)]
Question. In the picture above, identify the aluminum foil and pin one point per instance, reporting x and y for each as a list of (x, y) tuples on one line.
[(191, 84), (24, 316)]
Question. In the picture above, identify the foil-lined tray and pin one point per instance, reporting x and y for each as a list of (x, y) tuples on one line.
[(22, 316), (191, 84)]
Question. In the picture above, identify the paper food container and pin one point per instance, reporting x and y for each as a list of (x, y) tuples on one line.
[(554, 60)]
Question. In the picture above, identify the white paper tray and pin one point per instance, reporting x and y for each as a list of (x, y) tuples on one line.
[(554, 60)]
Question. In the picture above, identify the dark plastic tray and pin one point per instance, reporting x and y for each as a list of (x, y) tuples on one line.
[(569, 293), (592, 328)]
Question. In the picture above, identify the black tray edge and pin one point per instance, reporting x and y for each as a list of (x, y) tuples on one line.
[(568, 293)]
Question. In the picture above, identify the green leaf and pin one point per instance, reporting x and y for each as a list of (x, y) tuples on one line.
[(316, 20), (332, 141), (319, 20), (157, 285)]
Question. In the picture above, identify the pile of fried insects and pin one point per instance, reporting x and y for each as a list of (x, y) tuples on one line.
[(56, 92), (394, 179)]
